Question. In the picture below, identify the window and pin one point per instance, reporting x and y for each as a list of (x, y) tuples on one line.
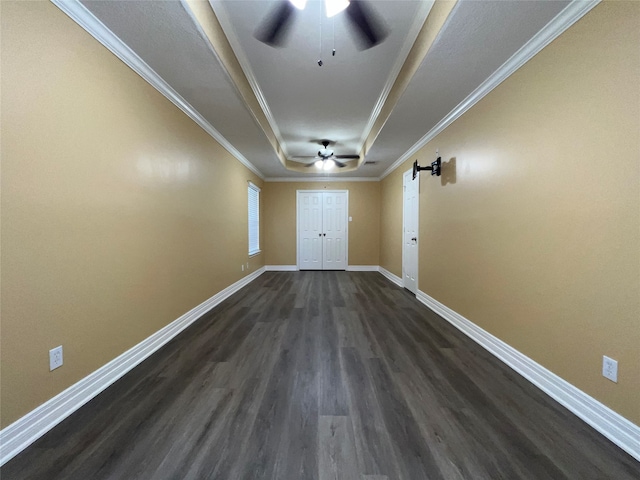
[(254, 219)]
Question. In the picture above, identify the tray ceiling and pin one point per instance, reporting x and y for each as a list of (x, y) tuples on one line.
[(303, 102)]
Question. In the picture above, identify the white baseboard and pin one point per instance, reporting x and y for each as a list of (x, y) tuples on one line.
[(281, 268), (294, 268), (612, 425), (26, 430), (362, 268), (23, 432), (390, 276)]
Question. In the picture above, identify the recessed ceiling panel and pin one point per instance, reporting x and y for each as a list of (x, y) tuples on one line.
[(335, 100), (306, 102)]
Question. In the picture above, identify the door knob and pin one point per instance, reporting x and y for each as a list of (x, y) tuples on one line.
[(324, 234), (414, 239), (319, 234)]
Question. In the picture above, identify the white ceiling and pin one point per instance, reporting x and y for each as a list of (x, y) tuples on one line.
[(334, 101), (478, 38), (338, 101)]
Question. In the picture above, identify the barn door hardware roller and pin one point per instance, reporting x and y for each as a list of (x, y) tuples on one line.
[(435, 168)]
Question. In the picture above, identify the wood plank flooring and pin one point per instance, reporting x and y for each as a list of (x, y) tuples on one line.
[(322, 375)]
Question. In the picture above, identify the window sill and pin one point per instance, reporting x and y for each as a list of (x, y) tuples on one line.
[(253, 254)]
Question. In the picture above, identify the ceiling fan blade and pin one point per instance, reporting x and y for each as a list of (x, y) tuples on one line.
[(274, 28), (348, 157), (340, 164), (369, 27)]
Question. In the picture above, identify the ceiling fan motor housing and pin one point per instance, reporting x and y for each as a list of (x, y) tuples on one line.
[(325, 153)]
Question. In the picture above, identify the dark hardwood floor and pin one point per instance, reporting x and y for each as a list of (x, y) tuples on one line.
[(322, 375)]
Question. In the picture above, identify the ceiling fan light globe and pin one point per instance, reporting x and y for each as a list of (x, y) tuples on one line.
[(329, 164), (334, 7), (319, 163), (299, 4)]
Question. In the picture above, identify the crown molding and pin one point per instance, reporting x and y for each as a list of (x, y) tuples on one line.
[(321, 179), (416, 26), (561, 22), (229, 32), (89, 22)]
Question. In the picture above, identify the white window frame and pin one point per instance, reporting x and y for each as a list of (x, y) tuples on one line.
[(253, 196)]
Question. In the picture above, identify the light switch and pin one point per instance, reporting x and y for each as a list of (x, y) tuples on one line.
[(350, 218)]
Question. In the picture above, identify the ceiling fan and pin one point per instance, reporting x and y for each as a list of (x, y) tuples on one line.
[(325, 159), (364, 21)]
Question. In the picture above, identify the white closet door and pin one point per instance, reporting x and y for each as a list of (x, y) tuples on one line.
[(322, 230), (334, 234), (310, 239)]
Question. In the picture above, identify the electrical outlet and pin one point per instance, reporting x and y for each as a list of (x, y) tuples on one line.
[(55, 358), (610, 368)]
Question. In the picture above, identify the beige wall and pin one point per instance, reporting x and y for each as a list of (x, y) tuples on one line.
[(536, 218), (280, 220), (119, 214), (391, 221)]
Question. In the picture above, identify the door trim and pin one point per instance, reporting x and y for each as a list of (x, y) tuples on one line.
[(346, 242)]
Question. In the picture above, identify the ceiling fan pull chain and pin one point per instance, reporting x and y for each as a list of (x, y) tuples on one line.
[(320, 56), (333, 26)]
